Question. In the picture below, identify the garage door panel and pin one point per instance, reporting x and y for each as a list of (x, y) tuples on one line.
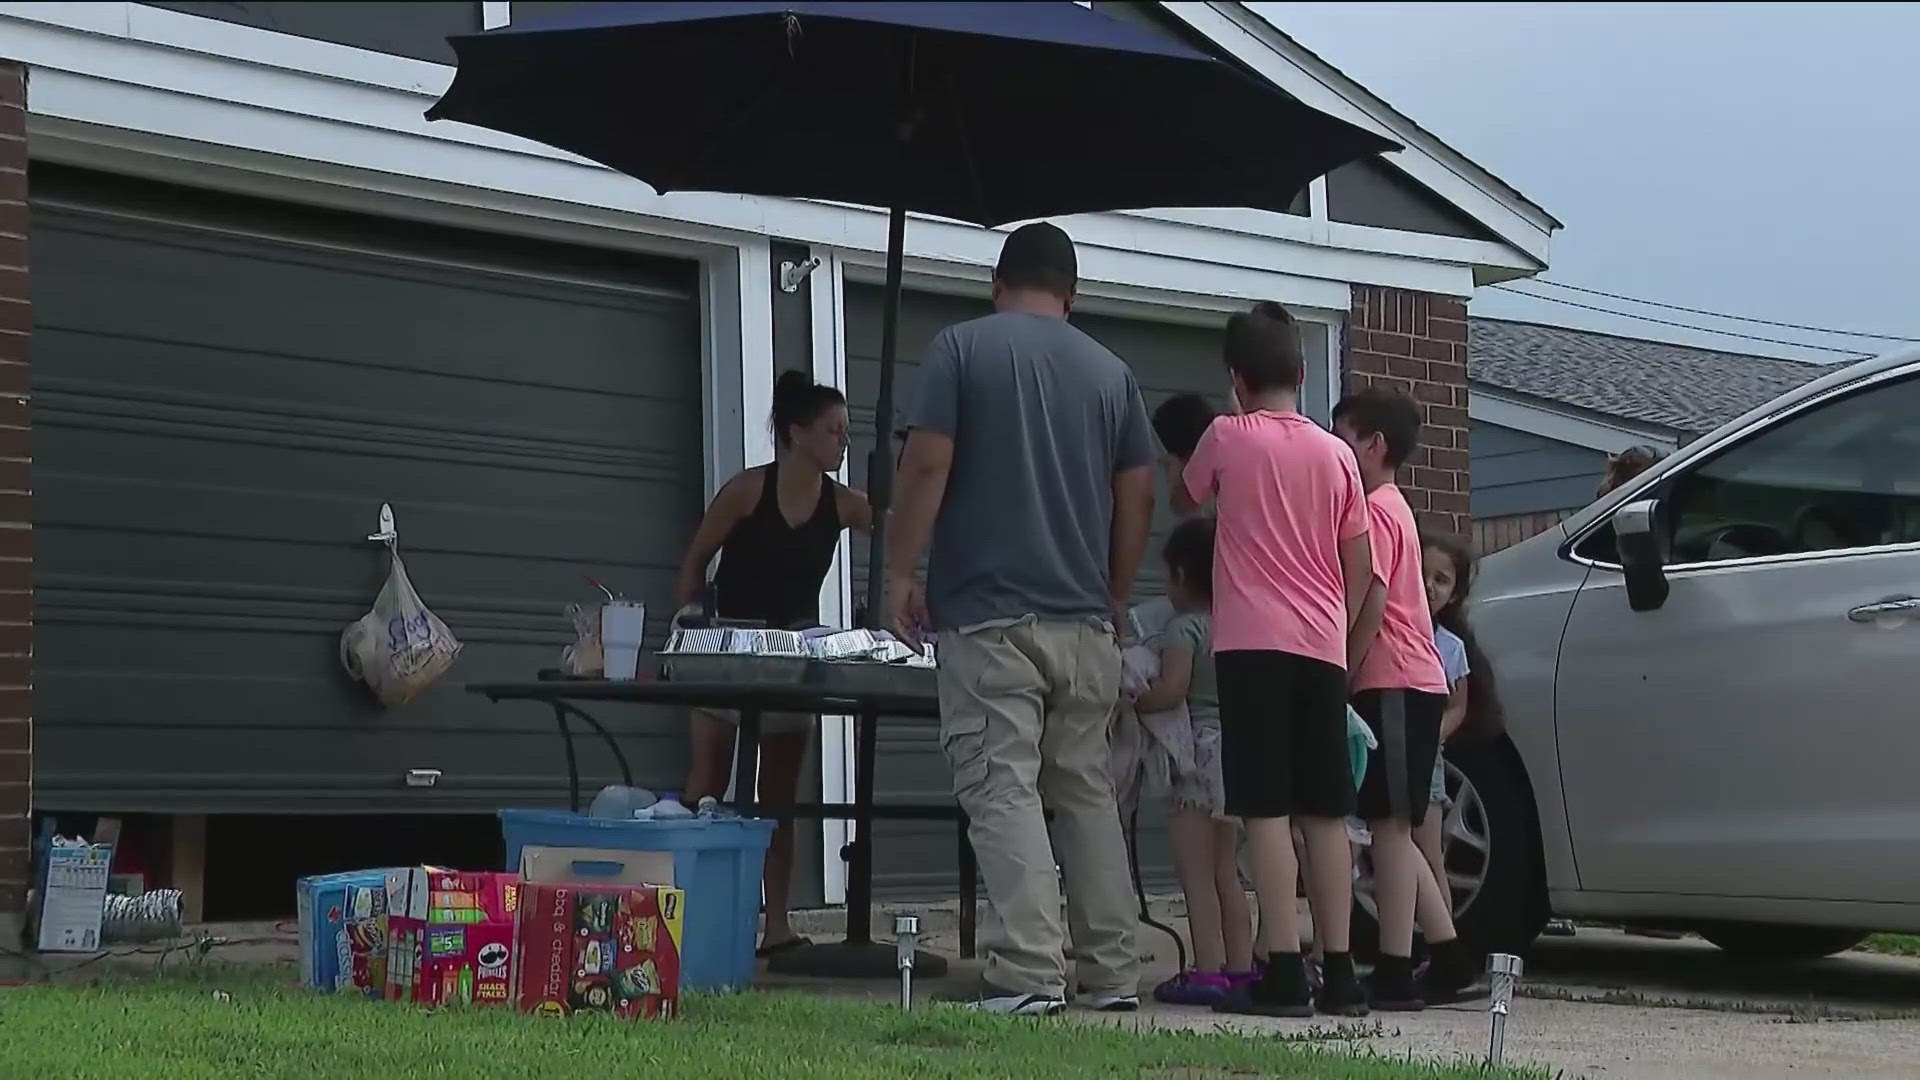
[(257, 298), (534, 535), (122, 382), (217, 419), (319, 770)]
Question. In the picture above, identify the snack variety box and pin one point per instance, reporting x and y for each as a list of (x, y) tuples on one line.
[(343, 931), (599, 948), (450, 936)]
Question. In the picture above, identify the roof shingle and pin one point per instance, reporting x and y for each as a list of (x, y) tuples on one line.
[(1687, 389)]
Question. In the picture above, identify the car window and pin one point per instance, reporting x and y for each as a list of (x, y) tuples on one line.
[(1843, 475)]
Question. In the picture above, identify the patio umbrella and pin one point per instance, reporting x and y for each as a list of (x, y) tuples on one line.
[(984, 112)]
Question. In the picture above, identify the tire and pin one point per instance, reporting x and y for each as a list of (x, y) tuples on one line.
[(1755, 941), (1508, 909)]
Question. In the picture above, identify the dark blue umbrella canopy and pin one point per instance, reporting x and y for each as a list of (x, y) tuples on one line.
[(982, 112)]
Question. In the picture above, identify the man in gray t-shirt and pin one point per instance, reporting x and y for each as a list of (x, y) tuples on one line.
[(1029, 467)]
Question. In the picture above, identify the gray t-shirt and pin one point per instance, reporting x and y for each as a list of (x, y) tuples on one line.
[(1193, 630), (1042, 417)]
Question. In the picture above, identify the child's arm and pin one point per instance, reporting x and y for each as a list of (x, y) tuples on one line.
[(1176, 676), (1366, 624), (1456, 713), (1356, 571)]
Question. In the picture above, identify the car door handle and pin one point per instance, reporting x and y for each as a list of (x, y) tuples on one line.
[(1898, 606)]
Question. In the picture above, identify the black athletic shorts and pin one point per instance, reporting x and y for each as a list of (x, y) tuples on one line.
[(1400, 773), (1283, 735)]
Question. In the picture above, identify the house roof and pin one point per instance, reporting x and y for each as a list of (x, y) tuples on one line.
[(1688, 390)]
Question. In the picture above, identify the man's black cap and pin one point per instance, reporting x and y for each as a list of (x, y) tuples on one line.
[(1041, 246)]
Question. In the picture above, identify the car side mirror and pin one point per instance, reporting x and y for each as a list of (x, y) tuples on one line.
[(1635, 530)]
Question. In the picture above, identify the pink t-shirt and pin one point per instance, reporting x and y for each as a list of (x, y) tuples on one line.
[(1286, 493), (1402, 656)]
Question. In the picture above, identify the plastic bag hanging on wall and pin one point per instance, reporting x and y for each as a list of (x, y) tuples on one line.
[(398, 648)]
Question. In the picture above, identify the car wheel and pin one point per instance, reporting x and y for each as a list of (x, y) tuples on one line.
[(1753, 941), (1490, 844)]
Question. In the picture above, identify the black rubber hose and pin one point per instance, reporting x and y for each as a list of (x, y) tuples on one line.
[(1140, 891)]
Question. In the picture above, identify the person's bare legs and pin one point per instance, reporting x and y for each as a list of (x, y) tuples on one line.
[(1236, 918), (1329, 881), (1432, 909), (1427, 836), (712, 763), (1192, 833), (781, 756), (1397, 866), (1275, 874)]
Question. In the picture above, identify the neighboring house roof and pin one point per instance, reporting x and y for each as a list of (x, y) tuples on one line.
[(1686, 390)]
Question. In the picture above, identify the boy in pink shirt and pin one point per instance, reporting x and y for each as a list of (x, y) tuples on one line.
[(1291, 567), (1400, 688)]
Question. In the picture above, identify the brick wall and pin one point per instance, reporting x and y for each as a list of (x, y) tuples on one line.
[(1492, 534), (1417, 342), (16, 506)]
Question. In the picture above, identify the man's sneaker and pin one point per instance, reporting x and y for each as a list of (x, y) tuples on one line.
[(1018, 1004), (992, 999), (1110, 1003)]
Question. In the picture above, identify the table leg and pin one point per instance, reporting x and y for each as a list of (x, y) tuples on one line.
[(860, 863), (746, 758), (858, 957), (969, 894), (573, 766)]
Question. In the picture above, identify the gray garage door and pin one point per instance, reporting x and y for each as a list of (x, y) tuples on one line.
[(915, 859), (225, 392)]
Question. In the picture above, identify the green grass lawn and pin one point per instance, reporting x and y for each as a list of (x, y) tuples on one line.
[(1893, 944), (222, 1025)]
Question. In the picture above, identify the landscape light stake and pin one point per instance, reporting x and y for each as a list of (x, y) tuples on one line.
[(907, 929), (1504, 971)]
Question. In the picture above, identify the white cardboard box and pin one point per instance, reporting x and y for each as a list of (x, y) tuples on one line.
[(74, 894)]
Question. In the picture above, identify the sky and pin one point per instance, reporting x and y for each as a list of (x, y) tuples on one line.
[(1757, 159)]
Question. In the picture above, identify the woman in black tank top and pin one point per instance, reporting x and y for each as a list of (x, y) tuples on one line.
[(775, 528)]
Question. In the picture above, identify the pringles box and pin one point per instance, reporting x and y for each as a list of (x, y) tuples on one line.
[(343, 931), (600, 949), (450, 936)]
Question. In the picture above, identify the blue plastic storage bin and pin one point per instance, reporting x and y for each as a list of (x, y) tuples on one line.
[(717, 863)]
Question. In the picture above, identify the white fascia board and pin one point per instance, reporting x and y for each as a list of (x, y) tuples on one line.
[(1255, 41), (1520, 414), (157, 72)]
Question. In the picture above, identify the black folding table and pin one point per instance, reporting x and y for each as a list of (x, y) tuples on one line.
[(859, 956)]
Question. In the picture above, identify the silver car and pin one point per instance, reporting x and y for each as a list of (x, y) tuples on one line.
[(1712, 686)]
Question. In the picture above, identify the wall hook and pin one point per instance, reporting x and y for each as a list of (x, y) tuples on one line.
[(386, 533)]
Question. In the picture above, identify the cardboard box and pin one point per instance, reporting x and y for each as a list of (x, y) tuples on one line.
[(439, 964), (73, 890), (599, 948), (450, 936), (343, 931), (434, 895), (595, 866)]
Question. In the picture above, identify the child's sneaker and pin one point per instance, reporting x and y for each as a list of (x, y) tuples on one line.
[(1452, 976), (1391, 987), (1280, 991), (1240, 980), (1193, 988), (1341, 993)]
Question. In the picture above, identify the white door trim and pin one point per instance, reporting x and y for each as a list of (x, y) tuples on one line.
[(829, 339)]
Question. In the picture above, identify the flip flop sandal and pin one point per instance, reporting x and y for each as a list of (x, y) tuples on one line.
[(798, 941)]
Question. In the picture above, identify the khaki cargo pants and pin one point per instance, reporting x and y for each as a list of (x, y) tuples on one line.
[(1024, 707)]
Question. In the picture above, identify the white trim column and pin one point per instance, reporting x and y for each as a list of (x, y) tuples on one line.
[(829, 340)]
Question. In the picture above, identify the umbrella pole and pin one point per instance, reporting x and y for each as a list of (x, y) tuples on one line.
[(880, 466)]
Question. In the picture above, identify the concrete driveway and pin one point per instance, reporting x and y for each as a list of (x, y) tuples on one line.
[(1601, 1004)]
